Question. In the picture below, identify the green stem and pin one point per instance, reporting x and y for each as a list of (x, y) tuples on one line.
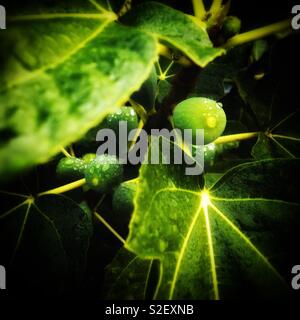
[(65, 152), (72, 153), (236, 137), (99, 202), (65, 188), (109, 227), (216, 6), (258, 33), (139, 109), (137, 134), (199, 9)]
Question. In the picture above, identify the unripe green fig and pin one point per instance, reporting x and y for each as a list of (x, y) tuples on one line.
[(231, 26), (123, 198), (71, 168), (104, 173), (111, 121), (123, 114), (209, 153), (89, 157), (200, 113)]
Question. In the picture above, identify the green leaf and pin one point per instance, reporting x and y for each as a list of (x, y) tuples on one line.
[(278, 123), (177, 29), (127, 277), (260, 47), (265, 148), (212, 178), (45, 242), (259, 94), (164, 88), (281, 140), (211, 82), (216, 243), (67, 71)]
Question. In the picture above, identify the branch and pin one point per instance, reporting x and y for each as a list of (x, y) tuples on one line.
[(65, 188), (236, 137), (257, 33), (199, 9)]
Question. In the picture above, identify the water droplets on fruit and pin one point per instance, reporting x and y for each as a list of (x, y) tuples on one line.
[(105, 167), (69, 161)]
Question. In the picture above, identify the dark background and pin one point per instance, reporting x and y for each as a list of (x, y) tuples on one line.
[(284, 66)]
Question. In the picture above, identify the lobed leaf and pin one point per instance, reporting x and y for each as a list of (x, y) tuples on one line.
[(45, 241), (215, 242), (127, 277), (65, 73), (177, 29)]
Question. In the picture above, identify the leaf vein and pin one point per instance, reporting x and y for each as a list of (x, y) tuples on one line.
[(246, 240), (183, 249), (80, 46)]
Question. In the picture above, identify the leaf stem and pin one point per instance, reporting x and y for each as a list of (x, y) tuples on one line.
[(215, 6), (65, 152), (109, 227), (64, 188), (236, 137), (72, 151), (137, 134), (139, 109), (257, 33), (199, 9), (99, 202)]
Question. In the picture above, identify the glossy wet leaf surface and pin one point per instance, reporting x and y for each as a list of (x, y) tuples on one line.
[(56, 87), (189, 36), (232, 232), (204, 241)]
